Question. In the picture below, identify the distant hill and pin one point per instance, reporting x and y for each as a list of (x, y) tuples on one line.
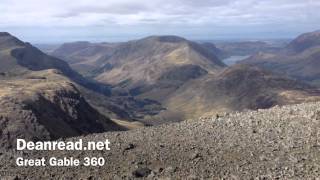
[(84, 56), (47, 48), (300, 59), (244, 48), (304, 42), (114, 62)]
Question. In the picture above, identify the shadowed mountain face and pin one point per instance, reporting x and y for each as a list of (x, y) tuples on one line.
[(213, 48), (300, 59)]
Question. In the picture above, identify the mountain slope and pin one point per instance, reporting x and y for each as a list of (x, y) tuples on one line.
[(238, 88), (18, 58)]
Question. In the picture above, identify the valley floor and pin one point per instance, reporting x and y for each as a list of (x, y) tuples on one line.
[(282, 142)]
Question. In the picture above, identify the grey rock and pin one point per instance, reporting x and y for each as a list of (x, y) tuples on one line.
[(141, 172)]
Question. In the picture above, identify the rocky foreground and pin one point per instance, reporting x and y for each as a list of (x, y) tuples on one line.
[(282, 142)]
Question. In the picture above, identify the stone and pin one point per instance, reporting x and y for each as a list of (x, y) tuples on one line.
[(141, 172)]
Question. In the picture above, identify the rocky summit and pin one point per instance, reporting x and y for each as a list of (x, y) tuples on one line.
[(278, 143)]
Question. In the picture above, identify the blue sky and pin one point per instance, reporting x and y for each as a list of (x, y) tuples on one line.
[(53, 21)]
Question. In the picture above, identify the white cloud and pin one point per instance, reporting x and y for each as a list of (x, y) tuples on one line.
[(149, 13), (96, 12)]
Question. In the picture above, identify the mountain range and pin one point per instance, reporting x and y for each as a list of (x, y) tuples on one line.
[(154, 80), (187, 78), (244, 48)]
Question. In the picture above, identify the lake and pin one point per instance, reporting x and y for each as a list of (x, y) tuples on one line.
[(233, 59)]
